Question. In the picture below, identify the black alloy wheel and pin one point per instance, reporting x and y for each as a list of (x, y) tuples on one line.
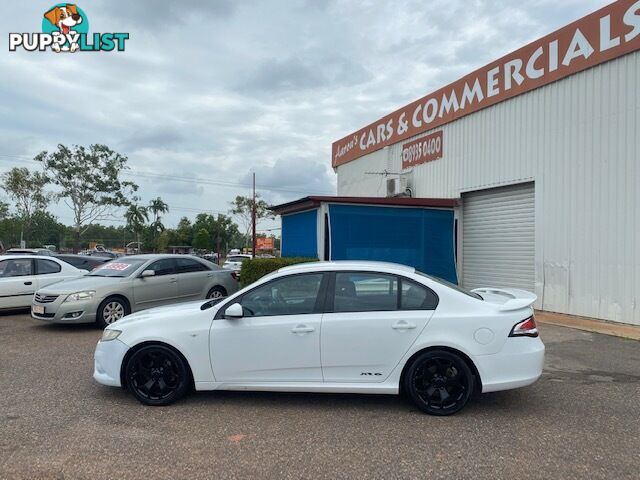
[(439, 382), (157, 375)]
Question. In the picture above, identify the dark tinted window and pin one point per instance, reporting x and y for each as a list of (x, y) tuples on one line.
[(166, 266), (16, 267), (417, 297), (365, 292), (188, 265), (294, 295), (46, 266)]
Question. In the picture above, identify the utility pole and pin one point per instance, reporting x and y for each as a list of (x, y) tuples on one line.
[(253, 217)]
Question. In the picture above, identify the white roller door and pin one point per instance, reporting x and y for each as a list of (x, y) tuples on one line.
[(498, 237)]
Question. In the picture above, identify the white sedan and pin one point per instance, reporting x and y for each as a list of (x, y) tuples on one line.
[(22, 275), (360, 327)]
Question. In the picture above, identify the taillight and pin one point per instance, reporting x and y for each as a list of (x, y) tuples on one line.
[(234, 275), (525, 328)]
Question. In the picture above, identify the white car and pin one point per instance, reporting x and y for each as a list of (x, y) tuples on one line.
[(22, 275), (359, 327), (234, 262)]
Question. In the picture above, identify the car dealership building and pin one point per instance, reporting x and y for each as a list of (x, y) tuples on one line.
[(535, 161)]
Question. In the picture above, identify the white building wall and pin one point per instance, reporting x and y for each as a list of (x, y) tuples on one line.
[(579, 140)]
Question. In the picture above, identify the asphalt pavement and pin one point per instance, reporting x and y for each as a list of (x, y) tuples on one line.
[(581, 420)]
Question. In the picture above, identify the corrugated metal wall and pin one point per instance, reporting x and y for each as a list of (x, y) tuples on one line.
[(579, 139)]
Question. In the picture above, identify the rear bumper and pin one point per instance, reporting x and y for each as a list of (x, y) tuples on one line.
[(519, 364)]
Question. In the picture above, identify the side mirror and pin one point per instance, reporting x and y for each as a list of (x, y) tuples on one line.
[(148, 273), (233, 311)]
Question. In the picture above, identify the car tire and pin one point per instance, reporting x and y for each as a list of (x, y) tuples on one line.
[(439, 382), (110, 310), (157, 375), (216, 293)]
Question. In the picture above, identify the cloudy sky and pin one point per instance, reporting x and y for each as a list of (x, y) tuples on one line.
[(207, 92)]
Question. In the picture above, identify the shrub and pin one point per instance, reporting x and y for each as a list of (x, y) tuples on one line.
[(257, 268)]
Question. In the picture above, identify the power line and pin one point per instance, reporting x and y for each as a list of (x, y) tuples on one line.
[(198, 180)]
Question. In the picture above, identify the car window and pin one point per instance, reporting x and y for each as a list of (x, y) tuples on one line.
[(188, 265), (417, 297), (365, 292), (293, 295), (44, 267), (166, 266), (451, 285), (16, 267)]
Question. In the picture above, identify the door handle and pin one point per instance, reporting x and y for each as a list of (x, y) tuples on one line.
[(402, 325), (28, 283), (302, 329), (173, 280)]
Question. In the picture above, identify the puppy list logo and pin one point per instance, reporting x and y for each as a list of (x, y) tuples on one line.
[(65, 28)]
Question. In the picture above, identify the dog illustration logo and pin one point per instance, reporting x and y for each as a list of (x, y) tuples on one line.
[(65, 19), (65, 28)]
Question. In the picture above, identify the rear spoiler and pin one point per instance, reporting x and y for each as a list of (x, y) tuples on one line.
[(517, 298)]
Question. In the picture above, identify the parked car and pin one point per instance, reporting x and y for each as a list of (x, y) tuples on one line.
[(234, 262), (29, 251), (83, 261), (22, 275), (234, 251), (129, 284), (360, 327)]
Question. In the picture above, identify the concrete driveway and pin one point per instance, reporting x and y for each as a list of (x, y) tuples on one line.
[(581, 420)]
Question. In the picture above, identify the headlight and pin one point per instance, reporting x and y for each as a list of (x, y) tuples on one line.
[(110, 334), (74, 297)]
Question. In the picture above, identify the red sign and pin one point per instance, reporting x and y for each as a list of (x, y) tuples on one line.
[(604, 35), (422, 150), (264, 243)]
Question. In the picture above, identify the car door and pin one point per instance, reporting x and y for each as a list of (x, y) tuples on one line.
[(17, 282), (278, 337), (193, 277), (48, 272), (159, 289), (372, 320)]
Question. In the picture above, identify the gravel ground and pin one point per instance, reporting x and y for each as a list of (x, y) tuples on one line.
[(580, 420)]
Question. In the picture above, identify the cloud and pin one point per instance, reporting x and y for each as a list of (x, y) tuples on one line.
[(207, 92)]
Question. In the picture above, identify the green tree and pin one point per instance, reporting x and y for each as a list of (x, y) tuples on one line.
[(136, 217), (90, 182), (157, 207), (242, 207), (184, 232), (26, 189), (202, 240)]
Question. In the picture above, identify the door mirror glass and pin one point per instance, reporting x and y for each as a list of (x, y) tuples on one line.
[(233, 311), (148, 273)]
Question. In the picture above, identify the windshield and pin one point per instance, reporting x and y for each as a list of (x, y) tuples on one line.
[(123, 267), (451, 285)]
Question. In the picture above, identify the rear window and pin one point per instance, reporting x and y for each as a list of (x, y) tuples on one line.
[(237, 259), (451, 285)]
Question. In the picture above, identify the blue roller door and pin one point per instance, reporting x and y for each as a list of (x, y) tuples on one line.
[(299, 234), (419, 237)]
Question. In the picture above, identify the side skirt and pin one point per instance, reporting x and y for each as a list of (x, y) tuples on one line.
[(313, 387)]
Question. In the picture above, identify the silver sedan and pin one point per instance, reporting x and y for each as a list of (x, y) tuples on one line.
[(130, 284)]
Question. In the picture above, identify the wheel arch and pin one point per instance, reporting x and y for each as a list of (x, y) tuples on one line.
[(455, 351), (121, 296), (137, 347)]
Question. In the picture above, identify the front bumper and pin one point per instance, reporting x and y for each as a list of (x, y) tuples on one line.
[(60, 311), (518, 364), (108, 362)]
